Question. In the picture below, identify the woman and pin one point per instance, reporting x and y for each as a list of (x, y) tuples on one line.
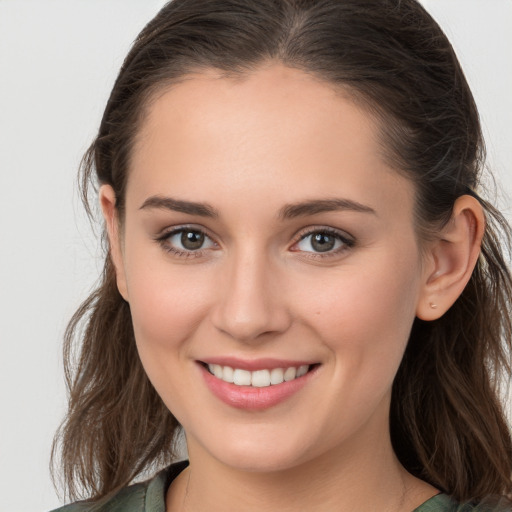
[(300, 273)]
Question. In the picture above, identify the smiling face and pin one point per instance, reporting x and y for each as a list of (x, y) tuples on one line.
[(265, 236)]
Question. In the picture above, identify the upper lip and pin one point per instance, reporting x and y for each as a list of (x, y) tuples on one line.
[(254, 364)]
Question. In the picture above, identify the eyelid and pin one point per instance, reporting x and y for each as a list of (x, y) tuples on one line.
[(309, 230), (172, 230)]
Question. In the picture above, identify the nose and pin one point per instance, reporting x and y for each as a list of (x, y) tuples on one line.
[(251, 303)]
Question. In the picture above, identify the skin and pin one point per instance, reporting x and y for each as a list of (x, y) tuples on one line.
[(257, 288)]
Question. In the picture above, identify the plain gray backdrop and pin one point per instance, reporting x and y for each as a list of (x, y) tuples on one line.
[(58, 62)]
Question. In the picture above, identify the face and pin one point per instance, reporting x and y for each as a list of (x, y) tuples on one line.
[(265, 242)]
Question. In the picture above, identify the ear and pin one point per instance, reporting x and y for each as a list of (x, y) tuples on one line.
[(107, 199), (451, 259)]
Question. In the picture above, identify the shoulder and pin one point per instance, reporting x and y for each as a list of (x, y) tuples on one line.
[(148, 496), (128, 499), (443, 503)]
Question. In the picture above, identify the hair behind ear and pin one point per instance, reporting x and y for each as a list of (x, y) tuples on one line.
[(448, 425), (116, 423)]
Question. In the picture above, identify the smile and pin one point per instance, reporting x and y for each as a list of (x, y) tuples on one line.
[(256, 385), (259, 378)]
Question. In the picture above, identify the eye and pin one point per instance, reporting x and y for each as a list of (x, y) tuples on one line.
[(185, 241), (323, 241), (189, 240)]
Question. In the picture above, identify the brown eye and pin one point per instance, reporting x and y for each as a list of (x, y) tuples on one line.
[(185, 241), (322, 242), (192, 240)]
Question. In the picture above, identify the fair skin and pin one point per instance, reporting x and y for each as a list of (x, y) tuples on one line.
[(227, 270)]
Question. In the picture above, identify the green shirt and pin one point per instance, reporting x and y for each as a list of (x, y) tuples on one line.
[(149, 496)]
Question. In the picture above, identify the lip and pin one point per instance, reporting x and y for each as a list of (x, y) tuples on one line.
[(252, 398)]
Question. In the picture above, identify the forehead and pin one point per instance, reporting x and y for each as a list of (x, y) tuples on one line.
[(276, 131), (274, 98)]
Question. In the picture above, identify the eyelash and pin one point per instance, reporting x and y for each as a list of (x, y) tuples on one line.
[(346, 242), (164, 239)]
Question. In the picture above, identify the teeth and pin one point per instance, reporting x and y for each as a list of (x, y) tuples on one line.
[(290, 374), (258, 378), (227, 374), (217, 371), (276, 376), (242, 377), (302, 370)]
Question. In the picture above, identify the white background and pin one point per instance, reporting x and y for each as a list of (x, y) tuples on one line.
[(58, 61)]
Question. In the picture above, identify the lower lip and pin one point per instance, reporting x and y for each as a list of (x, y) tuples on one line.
[(252, 398)]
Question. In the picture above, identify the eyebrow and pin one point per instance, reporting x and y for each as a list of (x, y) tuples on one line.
[(315, 206), (179, 205), (289, 211)]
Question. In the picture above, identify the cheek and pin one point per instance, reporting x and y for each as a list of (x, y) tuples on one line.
[(364, 314), (167, 302), (167, 307)]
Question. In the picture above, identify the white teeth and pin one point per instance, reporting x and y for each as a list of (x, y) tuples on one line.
[(242, 377), (217, 371), (227, 374), (258, 378), (290, 374), (276, 376), (302, 370)]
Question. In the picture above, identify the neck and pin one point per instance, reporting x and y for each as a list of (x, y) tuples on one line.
[(365, 477)]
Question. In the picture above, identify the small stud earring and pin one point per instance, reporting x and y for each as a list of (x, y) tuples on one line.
[(433, 306)]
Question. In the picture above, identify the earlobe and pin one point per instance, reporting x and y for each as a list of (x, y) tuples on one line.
[(452, 258), (107, 200)]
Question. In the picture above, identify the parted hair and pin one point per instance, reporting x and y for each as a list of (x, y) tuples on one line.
[(447, 420)]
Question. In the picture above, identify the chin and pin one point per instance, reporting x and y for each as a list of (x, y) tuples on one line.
[(257, 462), (261, 451)]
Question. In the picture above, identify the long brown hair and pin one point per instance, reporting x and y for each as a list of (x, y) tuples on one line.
[(447, 421)]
